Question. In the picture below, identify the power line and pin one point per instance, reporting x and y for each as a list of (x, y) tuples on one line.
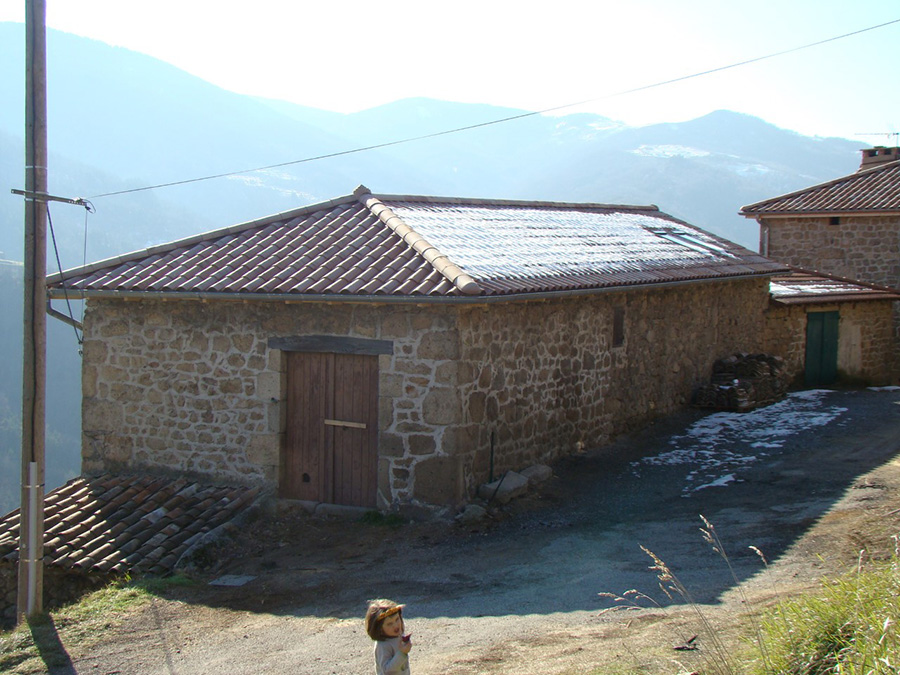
[(501, 120)]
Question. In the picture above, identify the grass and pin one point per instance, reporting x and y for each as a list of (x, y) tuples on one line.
[(39, 644), (850, 627)]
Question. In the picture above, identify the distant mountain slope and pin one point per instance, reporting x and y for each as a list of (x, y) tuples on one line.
[(120, 120), (113, 112)]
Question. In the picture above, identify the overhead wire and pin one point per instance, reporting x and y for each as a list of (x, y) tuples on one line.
[(502, 120)]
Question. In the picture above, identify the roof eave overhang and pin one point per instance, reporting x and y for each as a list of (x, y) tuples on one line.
[(831, 299), (74, 294), (824, 213)]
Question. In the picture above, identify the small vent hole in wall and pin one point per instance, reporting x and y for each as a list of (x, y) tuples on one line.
[(306, 478)]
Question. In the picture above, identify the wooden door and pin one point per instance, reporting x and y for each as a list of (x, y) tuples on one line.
[(821, 348), (331, 444)]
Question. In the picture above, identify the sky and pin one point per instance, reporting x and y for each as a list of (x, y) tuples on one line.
[(346, 55)]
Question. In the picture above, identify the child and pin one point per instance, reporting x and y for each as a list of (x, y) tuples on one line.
[(384, 624)]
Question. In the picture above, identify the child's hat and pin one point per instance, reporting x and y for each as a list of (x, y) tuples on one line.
[(390, 611)]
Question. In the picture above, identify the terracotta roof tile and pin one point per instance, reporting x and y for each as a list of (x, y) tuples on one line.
[(113, 524), (368, 246), (872, 190)]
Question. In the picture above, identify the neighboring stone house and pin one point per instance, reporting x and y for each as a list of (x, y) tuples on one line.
[(376, 350), (849, 227), (827, 328)]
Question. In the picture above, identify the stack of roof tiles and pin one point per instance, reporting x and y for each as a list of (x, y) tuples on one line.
[(118, 524), (388, 247)]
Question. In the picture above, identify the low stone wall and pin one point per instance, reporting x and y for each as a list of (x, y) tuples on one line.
[(865, 339), (60, 588)]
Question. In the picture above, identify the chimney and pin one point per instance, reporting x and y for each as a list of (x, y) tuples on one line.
[(878, 155)]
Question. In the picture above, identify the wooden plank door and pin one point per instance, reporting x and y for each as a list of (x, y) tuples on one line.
[(331, 444), (354, 430), (821, 348)]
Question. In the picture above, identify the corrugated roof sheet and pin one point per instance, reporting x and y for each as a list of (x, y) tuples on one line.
[(372, 246), (117, 524), (871, 190), (802, 287)]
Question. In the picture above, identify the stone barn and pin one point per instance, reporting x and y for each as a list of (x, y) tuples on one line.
[(381, 350)]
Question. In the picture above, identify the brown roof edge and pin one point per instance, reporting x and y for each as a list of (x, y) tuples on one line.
[(848, 280), (466, 284), (752, 210), (831, 299), (776, 215)]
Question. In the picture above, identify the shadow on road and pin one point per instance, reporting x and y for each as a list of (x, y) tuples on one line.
[(768, 476)]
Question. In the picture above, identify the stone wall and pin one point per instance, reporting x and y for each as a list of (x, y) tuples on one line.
[(178, 388), (865, 339), (857, 247), (192, 388), (544, 377)]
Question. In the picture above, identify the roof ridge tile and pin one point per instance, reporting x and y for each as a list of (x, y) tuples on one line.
[(455, 274)]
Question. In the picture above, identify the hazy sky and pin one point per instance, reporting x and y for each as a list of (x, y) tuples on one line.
[(348, 55)]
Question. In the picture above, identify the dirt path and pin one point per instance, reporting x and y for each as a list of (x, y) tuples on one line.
[(518, 594)]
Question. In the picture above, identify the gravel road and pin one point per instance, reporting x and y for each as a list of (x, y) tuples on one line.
[(495, 596)]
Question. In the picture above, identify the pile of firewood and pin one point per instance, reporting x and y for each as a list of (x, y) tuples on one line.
[(743, 382)]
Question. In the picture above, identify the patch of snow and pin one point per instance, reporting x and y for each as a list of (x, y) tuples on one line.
[(787, 288), (718, 482), (669, 151), (713, 445), (751, 169), (888, 388)]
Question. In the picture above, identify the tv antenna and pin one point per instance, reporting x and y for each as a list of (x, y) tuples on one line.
[(893, 136)]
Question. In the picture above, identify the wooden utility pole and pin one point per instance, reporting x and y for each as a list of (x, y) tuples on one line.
[(34, 352)]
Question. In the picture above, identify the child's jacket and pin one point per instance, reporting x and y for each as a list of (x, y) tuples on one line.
[(389, 660)]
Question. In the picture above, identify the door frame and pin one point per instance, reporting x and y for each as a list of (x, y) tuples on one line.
[(821, 356), (332, 430)]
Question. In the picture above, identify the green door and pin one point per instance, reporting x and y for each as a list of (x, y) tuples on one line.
[(821, 348)]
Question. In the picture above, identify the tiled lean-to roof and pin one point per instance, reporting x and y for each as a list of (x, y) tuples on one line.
[(118, 524), (801, 287), (386, 246), (875, 190)]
